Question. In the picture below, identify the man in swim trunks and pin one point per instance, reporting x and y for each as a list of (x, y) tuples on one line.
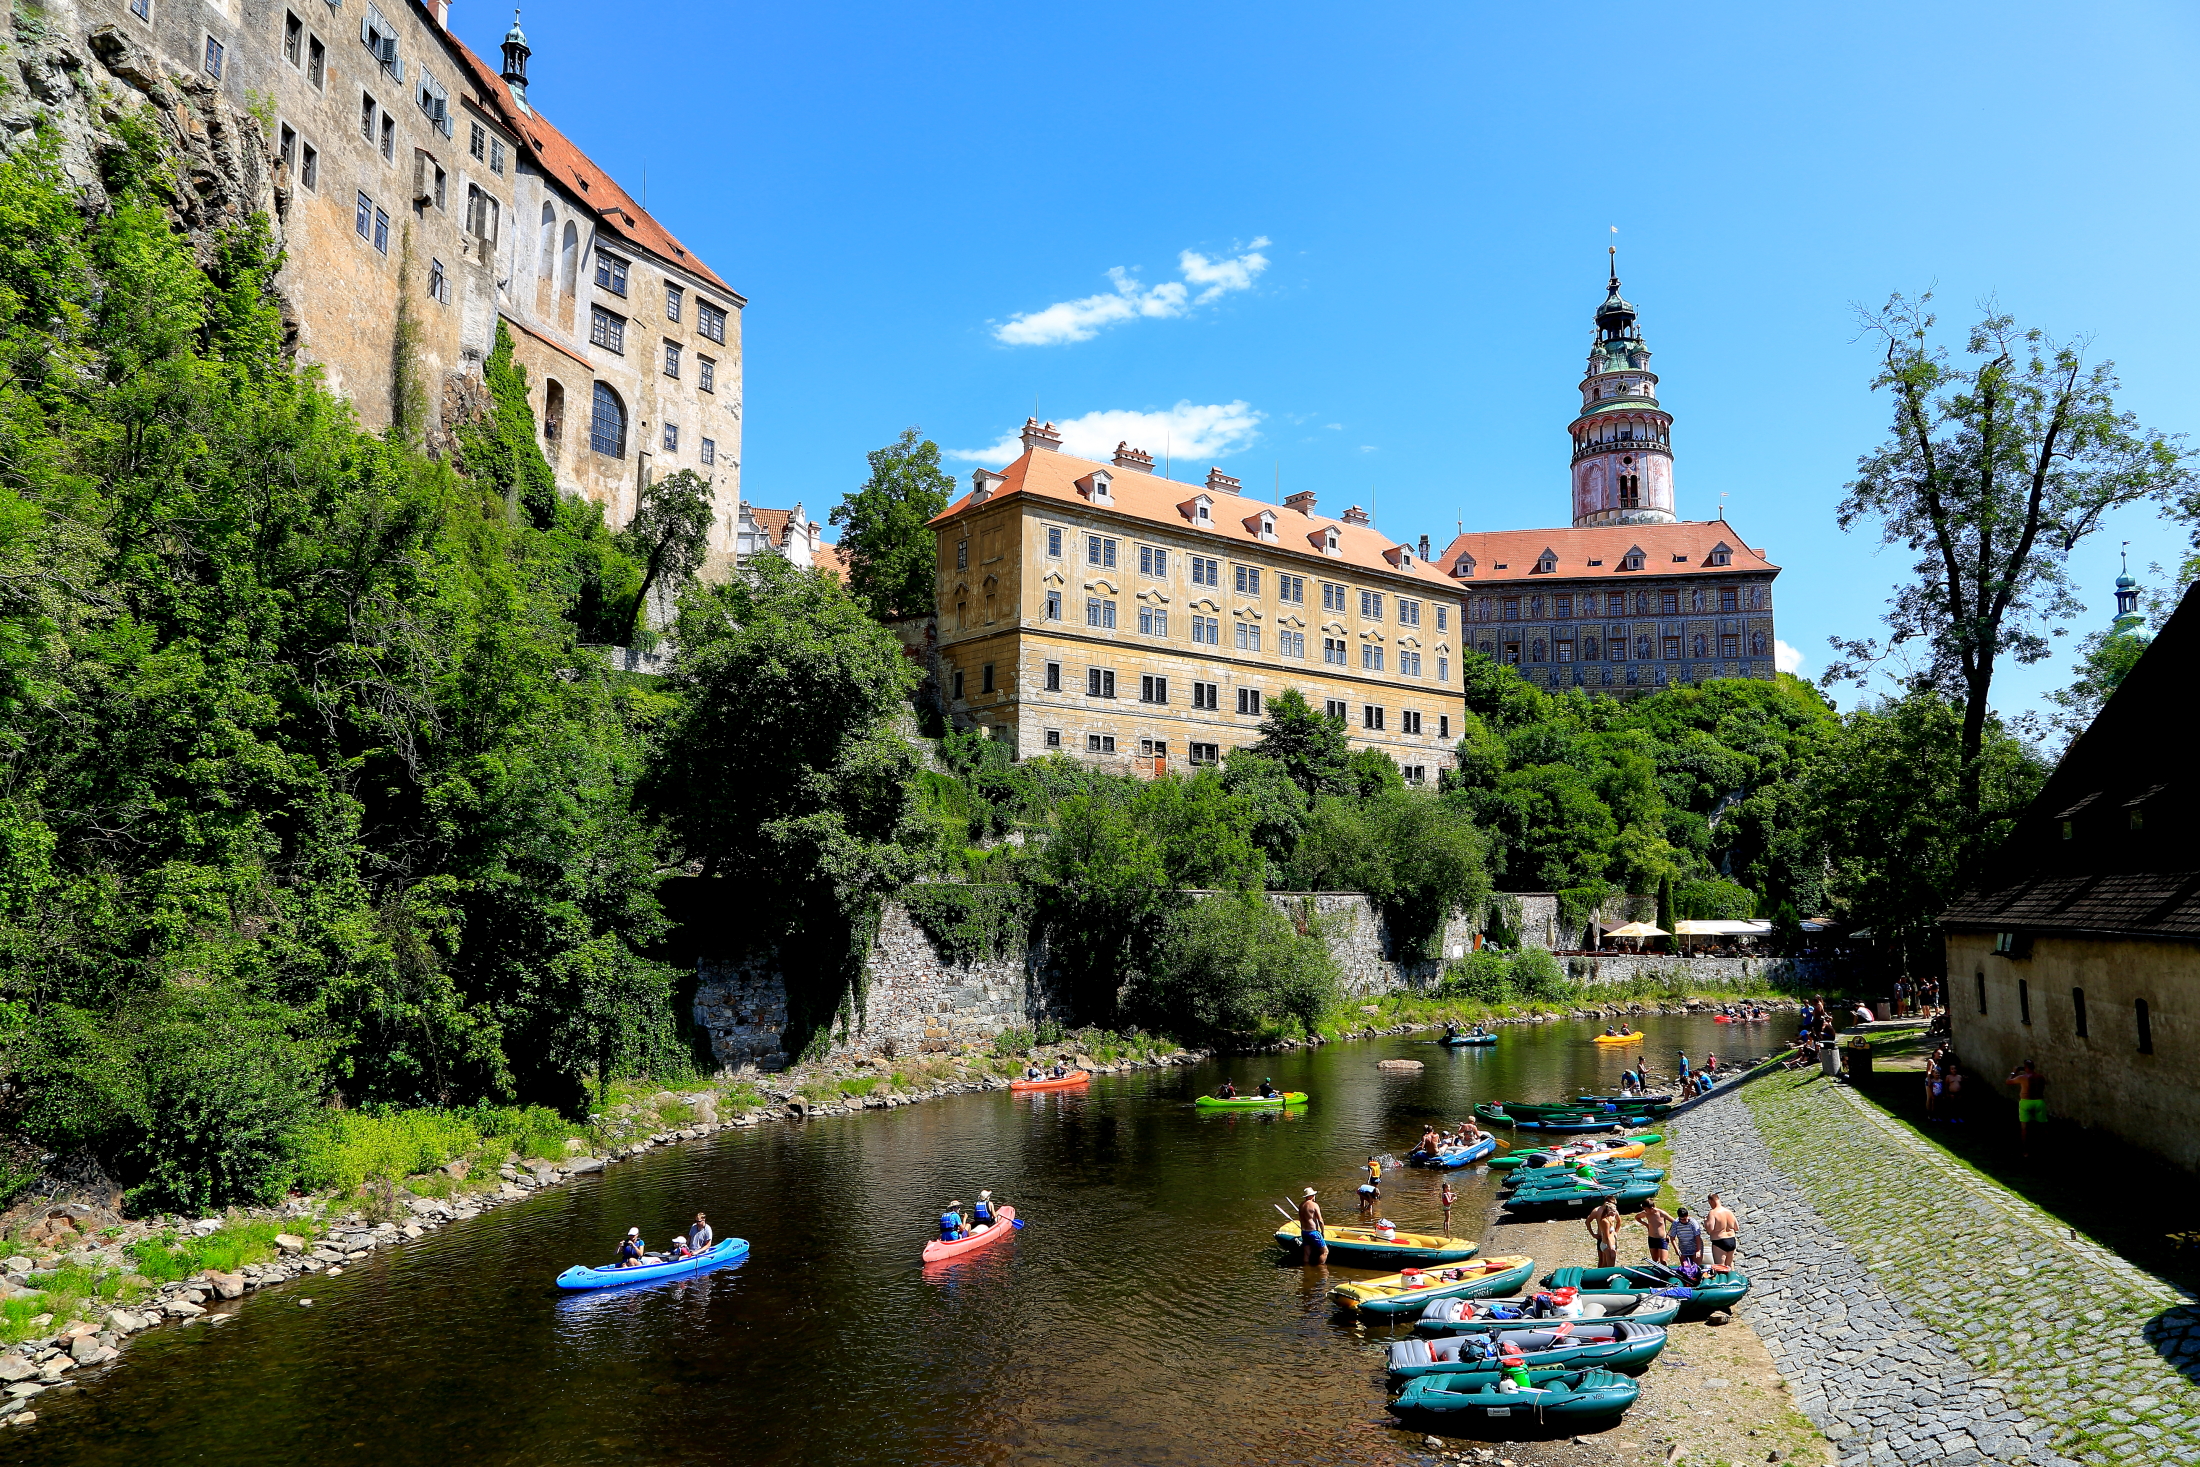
[(1655, 1220), (1724, 1229), (1313, 1247), (2030, 1106), (1602, 1224)]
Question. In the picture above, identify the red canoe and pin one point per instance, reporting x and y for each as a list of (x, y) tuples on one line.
[(938, 1252), (1069, 1081)]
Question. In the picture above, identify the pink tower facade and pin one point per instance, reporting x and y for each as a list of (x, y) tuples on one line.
[(1623, 443)]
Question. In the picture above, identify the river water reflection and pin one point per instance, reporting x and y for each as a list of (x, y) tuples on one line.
[(1141, 1317)]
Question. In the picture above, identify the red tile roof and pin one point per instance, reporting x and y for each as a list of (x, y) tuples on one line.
[(1045, 473), (555, 154), (1675, 549), (833, 560)]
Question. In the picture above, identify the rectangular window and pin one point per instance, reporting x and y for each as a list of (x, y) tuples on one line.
[(1615, 604), (366, 117), (213, 58), (477, 140), (2024, 1002), (1981, 977), (496, 156), (1730, 646), (1443, 618), (1332, 596), (1334, 708), (1409, 722), (1248, 700), (1099, 682), (1099, 743), (1099, 550), (1371, 658), (1443, 669), (1371, 717), (607, 330), (672, 359), (2144, 1020), (294, 31), (1248, 579), (1409, 612), (1054, 677), (1248, 637), (706, 374), (1291, 589), (1512, 654), (1206, 754), (389, 138), (1443, 725), (380, 37), (1054, 542), (1054, 738), (962, 555), (1291, 644), (1153, 689), (1729, 599), (710, 320), (1153, 621), (2077, 1012), (442, 185), (1669, 603), (672, 438), (985, 678), (1510, 608), (1371, 605), (1333, 650), (142, 9), (610, 273), (382, 231), (481, 219), (1207, 630), (1414, 773), (1153, 748), (673, 295), (309, 166), (1562, 606), (439, 283), (708, 451), (1054, 606), (1409, 663), (316, 60), (286, 146), (1207, 695), (1206, 571), (1615, 645), (1152, 562)]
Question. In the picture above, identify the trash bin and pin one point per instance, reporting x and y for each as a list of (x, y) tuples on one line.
[(1829, 1062), (1860, 1060)]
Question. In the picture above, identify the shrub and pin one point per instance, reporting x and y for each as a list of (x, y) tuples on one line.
[(970, 924), (1012, 1041), (1535, 975), (1484, 976), (1226, 964)]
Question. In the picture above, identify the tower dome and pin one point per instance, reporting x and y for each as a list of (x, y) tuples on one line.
[(1623, 455)]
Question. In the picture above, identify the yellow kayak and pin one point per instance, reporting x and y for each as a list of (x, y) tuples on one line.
[(1635, 1038), (1409, 1291), (1364, 1247)]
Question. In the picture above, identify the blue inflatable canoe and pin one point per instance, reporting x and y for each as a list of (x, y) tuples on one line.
[(726, 1250), (1464, 1156)]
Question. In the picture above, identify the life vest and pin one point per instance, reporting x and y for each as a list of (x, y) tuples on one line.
[(950, 1224), (983, 1212)]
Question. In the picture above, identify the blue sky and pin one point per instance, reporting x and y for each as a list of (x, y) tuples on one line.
[(1357, 251)]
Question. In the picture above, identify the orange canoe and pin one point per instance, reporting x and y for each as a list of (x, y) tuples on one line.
[(938, 1252), (1069, 1081)]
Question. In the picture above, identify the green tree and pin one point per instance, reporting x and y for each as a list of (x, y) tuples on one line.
[(1225, 965), (1998, 466), (1104, 894), (1310, 747), (669, 536), (885, 528), (1276, 806), (2105, 659), (1204, 834), (1556, 832)]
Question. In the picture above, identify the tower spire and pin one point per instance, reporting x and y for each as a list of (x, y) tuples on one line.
[(1623, 455)]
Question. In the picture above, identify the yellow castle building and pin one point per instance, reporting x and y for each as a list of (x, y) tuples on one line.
[(1103, 611)]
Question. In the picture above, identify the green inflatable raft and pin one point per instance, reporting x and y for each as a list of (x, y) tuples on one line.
[(1463, 1316), (1251, 1102), (1722, 1291), (1556, 1344), (1572, 1398)]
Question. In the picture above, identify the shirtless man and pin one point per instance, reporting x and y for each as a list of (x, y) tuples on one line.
[(2030, 1107), (1724, 1230), (1655, 1221), (1313, 1247), (1602, 1224)]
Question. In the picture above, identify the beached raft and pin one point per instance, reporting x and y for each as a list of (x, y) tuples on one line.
[(1721, 1291), (1572, 1122), (1555, 1344), (1409, 1293), (1621, 1148), (1572, 1398), (1251, 1102), (1548, 1198), (725, 1250), (1069, 1081), (1460, 1316), (1365, 1248), (1457, 1156)]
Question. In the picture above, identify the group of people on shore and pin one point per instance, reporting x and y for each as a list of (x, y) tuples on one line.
[(1671, 1233)]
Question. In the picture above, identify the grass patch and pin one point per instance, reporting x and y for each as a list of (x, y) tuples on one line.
[(859, 1085)]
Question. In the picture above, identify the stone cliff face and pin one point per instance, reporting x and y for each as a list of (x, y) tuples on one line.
[(82, 93)]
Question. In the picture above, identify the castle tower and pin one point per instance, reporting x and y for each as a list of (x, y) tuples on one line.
[(1623, 454)]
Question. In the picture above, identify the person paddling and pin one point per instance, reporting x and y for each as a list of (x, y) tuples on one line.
[(699, 1236), (1267, 1088), (981, 1212), (951, 1223), (1227, 1091)]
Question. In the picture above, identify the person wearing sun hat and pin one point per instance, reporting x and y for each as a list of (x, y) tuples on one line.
[(951, 1223), (1314, 1248)]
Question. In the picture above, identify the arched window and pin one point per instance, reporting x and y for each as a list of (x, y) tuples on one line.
[(2146, 1027), (548, 260), (553, 410), (569, 260), (607, 425)]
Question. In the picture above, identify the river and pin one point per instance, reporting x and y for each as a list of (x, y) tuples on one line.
[(1142, 1316)]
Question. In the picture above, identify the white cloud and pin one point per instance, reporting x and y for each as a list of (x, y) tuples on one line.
[(1081, 320), (1786, 658), (1187, 431)]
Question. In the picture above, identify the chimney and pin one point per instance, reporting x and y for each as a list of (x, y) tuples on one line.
[(1303, 502), (443, 13), (1220, 483), (1041, 435), (1136, 460), (1358, 516), (1424, 547)]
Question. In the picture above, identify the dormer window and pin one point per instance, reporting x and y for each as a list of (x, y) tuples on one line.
[(1203, 510), (1329, 542), (1632, 560), (1094, 486), (1463, 566), (1546, 563), (1405, 557), (1268, 527), (1721, 554)]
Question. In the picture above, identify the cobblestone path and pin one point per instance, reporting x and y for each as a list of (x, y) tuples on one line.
[(1923, 1312)]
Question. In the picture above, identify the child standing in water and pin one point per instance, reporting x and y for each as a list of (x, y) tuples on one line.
[(1447, 1197)]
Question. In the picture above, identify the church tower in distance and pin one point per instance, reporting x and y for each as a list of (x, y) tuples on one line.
[(1623, 453)]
